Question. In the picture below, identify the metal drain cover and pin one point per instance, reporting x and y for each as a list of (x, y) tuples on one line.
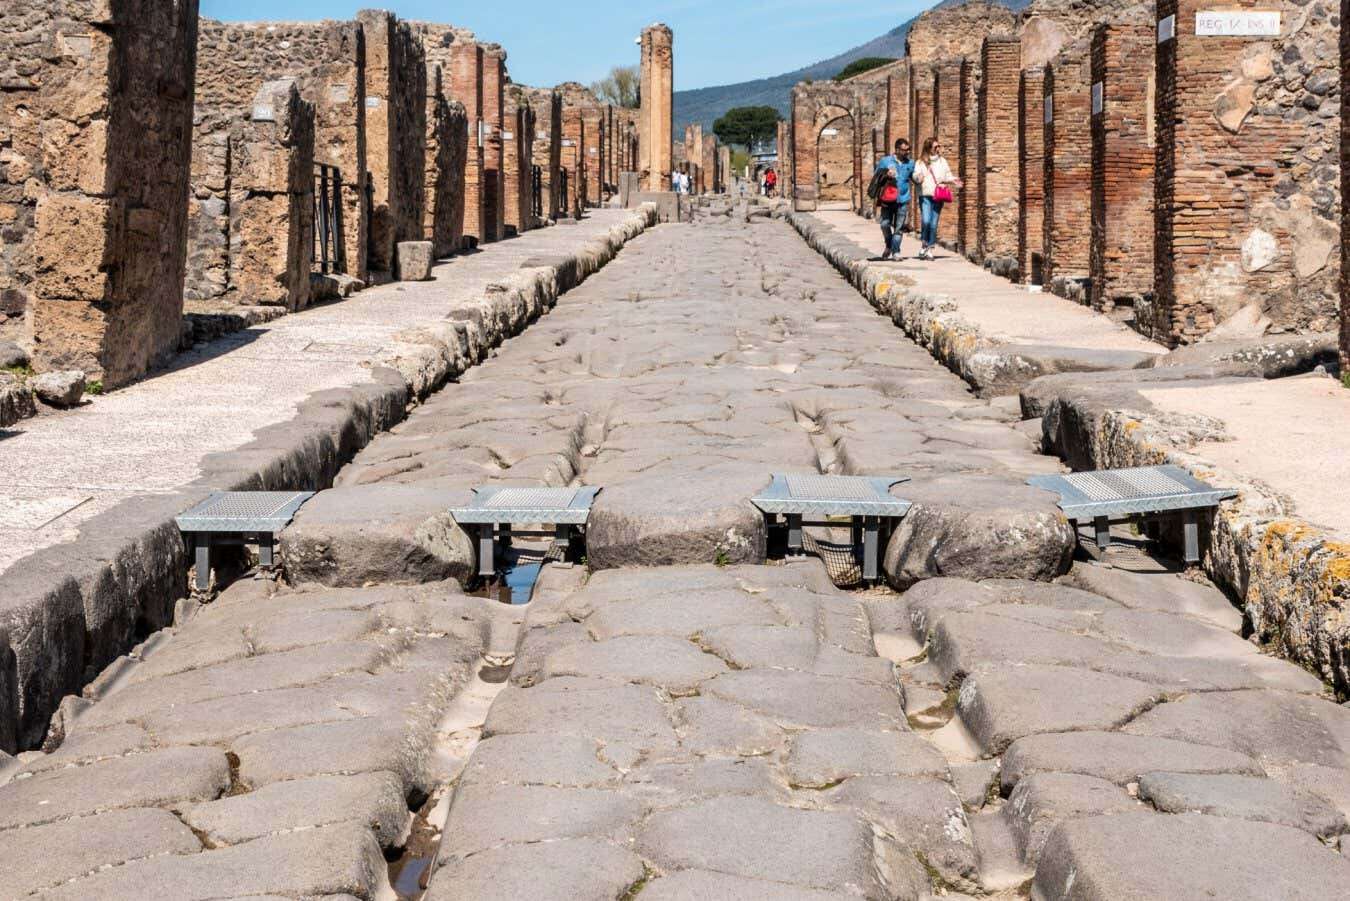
[(824, 495), (551, 506), (243, 511), (1123, 492)]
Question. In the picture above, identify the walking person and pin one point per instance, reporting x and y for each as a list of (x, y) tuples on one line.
[(936, 182), (770, 182), (892, 190)]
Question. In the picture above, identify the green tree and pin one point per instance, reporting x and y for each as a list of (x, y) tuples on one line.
[(745, 125), (859, 66), (620, 87)]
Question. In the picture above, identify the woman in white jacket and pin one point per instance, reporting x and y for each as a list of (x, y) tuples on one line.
[(935, 180)]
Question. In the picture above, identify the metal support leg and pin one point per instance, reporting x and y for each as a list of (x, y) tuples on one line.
[(794, 534), (871, 546), (265, 550), (487, 550), (1153, 530), (505, 534), (1191, 527), (1102, 526), (562, 536), (203, 561)]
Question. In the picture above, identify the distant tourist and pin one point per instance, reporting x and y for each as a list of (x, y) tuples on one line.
[(770, 182), (890, 190), (936, 183)]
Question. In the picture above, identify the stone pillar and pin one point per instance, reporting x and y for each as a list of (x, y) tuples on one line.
[(898, 110), (947, 125), (724, 170), (272, 200), (997, 168), (1122, 165), (657, 121), (1031, 180), (548, 146), (396, 89), (1246, 210), (593, 116), (969, 150), (574, 134), (466, 87), (1068, 175), (1345, 195), (517, 138), (494, 150), (95, 146), (921, 124)]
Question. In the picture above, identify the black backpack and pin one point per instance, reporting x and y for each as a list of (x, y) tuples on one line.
[(879, 180)]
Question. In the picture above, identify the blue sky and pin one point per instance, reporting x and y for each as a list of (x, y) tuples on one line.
[(716, 41)]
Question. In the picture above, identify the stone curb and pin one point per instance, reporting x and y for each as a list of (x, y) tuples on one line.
[(1291, 577), (934, 321), (68, 611)]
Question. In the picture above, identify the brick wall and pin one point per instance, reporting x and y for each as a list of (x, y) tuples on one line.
[(595, 175), (574, 132), (898, 112), (947, 122), (494, 151), (1122, 166), (465, 86), (447, 155), (238, 64), (547, 106), (1345, 197), (1247, 209), (1031, 190), (95, 144), (656, 122), (271, 233), (997, 167), (969, 152), (956, 31), (1068, 173), (396, 127)]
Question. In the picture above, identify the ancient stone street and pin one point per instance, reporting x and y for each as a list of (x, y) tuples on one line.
[(591, 467)]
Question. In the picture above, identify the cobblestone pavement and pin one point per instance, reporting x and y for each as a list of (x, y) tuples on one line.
[(679, 720)]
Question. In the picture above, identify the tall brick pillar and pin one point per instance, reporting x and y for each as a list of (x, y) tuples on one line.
[(466, 87), (1068, 175), (494, 149), (898, 110), (518, 140), (1246, 210), (997, 167), (1122, 165), (547, 106), (1031, 181), (657, 120), (396, 88), (573, 164), (593, 117), (947, 125), (96, 128), (922, 80), (969, 153)]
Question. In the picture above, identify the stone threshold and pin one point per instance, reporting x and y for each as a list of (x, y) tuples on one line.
[(1290, 577), (69, 610)]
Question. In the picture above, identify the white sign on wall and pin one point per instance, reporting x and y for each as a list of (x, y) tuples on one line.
[(507, 136), (1167, 29), (567, 143), (829, 133), (1098, 98), (1237, 24)]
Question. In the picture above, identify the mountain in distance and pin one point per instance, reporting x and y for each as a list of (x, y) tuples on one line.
[(707, 104)]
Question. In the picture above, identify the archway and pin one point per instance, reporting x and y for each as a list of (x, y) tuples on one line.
[(836, 146)]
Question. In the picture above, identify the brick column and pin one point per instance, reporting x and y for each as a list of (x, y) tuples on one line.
[(657, 115), (898, 111), (466, 86), (595, 175), (947, 123), (969, 150), (921, 124), (997, 166), (494, 149), (1122, 165), (1246, 209), (574, 133), (1068, 175), (1345, 195), (96, 121), (1031, 181)]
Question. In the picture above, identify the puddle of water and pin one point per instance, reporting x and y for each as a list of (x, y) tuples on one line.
[(514, 584)]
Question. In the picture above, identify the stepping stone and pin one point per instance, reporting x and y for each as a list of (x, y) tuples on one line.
[(1150, 855), (675, 665), (561, 870), (1042, 801), (1242, 797), (822, 758), (1116, 757)]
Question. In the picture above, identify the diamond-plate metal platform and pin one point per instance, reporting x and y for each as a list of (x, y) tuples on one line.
[(244, 511), (546, 506), (821, 495), (238, 517), (1125, 492)]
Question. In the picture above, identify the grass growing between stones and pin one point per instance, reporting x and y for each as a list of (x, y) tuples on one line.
[(23, 373)]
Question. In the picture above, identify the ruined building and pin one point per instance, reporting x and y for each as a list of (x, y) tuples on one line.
[(93, 213)]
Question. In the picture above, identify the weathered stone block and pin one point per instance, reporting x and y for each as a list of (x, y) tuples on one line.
[(414, 260)]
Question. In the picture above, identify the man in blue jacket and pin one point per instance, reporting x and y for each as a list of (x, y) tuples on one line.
[(894, 196)]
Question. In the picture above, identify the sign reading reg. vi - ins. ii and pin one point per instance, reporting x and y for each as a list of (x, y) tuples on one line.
[(1237, 24)]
